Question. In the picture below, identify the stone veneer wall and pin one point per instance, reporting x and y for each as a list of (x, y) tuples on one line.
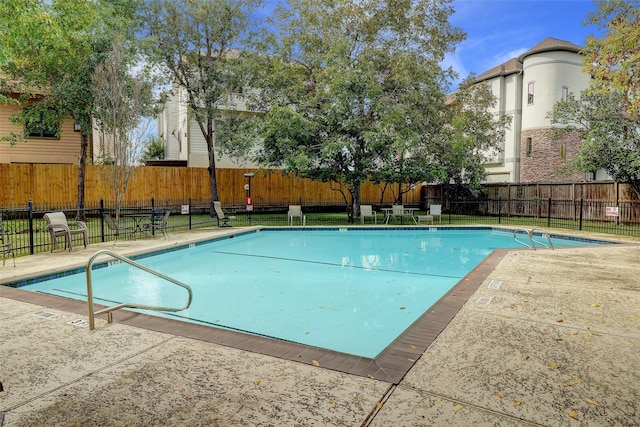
[(545, 162)]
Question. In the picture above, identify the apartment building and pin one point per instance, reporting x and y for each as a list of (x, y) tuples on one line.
[(527, 87), (183, 141)]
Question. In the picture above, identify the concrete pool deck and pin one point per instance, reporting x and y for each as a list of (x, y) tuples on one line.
[(548, 338)]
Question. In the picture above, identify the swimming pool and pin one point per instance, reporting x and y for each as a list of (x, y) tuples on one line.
[(349, 290)]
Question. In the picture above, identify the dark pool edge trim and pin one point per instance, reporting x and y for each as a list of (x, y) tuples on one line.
[(391, 365), (416, 339)]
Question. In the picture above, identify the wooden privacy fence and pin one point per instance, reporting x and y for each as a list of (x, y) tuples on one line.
[(588, 200), (58, 183), (609, 191), (573, 201)]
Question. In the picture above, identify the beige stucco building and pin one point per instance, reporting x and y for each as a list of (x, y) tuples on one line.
[(527, 88), (182, 137)]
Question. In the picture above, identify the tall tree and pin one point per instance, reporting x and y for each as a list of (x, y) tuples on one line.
[(122, 98), (50, 49), (611, 137), (614, 59), (351, 84), (200, 42), (607, 115)]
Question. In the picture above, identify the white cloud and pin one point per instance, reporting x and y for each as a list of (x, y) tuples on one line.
[(502, 57), (498, 30)]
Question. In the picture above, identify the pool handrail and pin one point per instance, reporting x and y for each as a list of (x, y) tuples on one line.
[(543, 233), (109, 310), (531, 233), (528, 233)]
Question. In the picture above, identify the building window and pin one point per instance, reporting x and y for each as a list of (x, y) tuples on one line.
[(41, 125), (563, 152), (565, 93), (529, 147), (530, 93)]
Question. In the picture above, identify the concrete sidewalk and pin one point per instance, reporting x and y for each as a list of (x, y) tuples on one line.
[(550, 338)]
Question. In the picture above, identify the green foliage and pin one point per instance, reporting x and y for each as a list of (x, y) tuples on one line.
[(607, 115), (349, 88), (614, 59), (471, 134), (153, 149), (199, 43), (237, 134), (51, 49), (611, 138), (49, 52)]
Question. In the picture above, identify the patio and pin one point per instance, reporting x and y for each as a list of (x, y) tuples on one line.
[(548, 338)]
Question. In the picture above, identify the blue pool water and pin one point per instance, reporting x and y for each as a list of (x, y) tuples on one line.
[(349, 290)]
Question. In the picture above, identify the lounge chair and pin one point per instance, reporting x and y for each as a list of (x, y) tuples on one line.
[(58, 226), (5, 245), (366, 211), (295, 211), (436, 211), (160, 222), (221, 216), (117, 228), (426, 218)]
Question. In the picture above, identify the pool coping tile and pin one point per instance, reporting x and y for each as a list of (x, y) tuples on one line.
[(391, 365)]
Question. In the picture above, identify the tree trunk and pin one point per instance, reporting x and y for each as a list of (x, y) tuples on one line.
[(211, 135), (82, 163), (355, 201)]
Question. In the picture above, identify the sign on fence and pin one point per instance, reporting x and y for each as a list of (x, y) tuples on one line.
[(184, 209), (611, 211)]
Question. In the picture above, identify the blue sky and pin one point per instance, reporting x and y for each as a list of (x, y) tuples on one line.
[(498, 30)]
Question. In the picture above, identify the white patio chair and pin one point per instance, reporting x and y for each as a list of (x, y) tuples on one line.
[(295, 211), (366, 211), (436, 211)]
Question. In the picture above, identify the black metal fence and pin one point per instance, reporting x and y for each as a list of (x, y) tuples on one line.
[(621, 218), (27, 230), (26, 227)]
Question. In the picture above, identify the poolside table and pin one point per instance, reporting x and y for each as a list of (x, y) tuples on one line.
[(388, 213), (143, 222)]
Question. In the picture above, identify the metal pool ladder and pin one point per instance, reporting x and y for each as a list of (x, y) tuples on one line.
[(530, 234), (109, 310), (543, 233)]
